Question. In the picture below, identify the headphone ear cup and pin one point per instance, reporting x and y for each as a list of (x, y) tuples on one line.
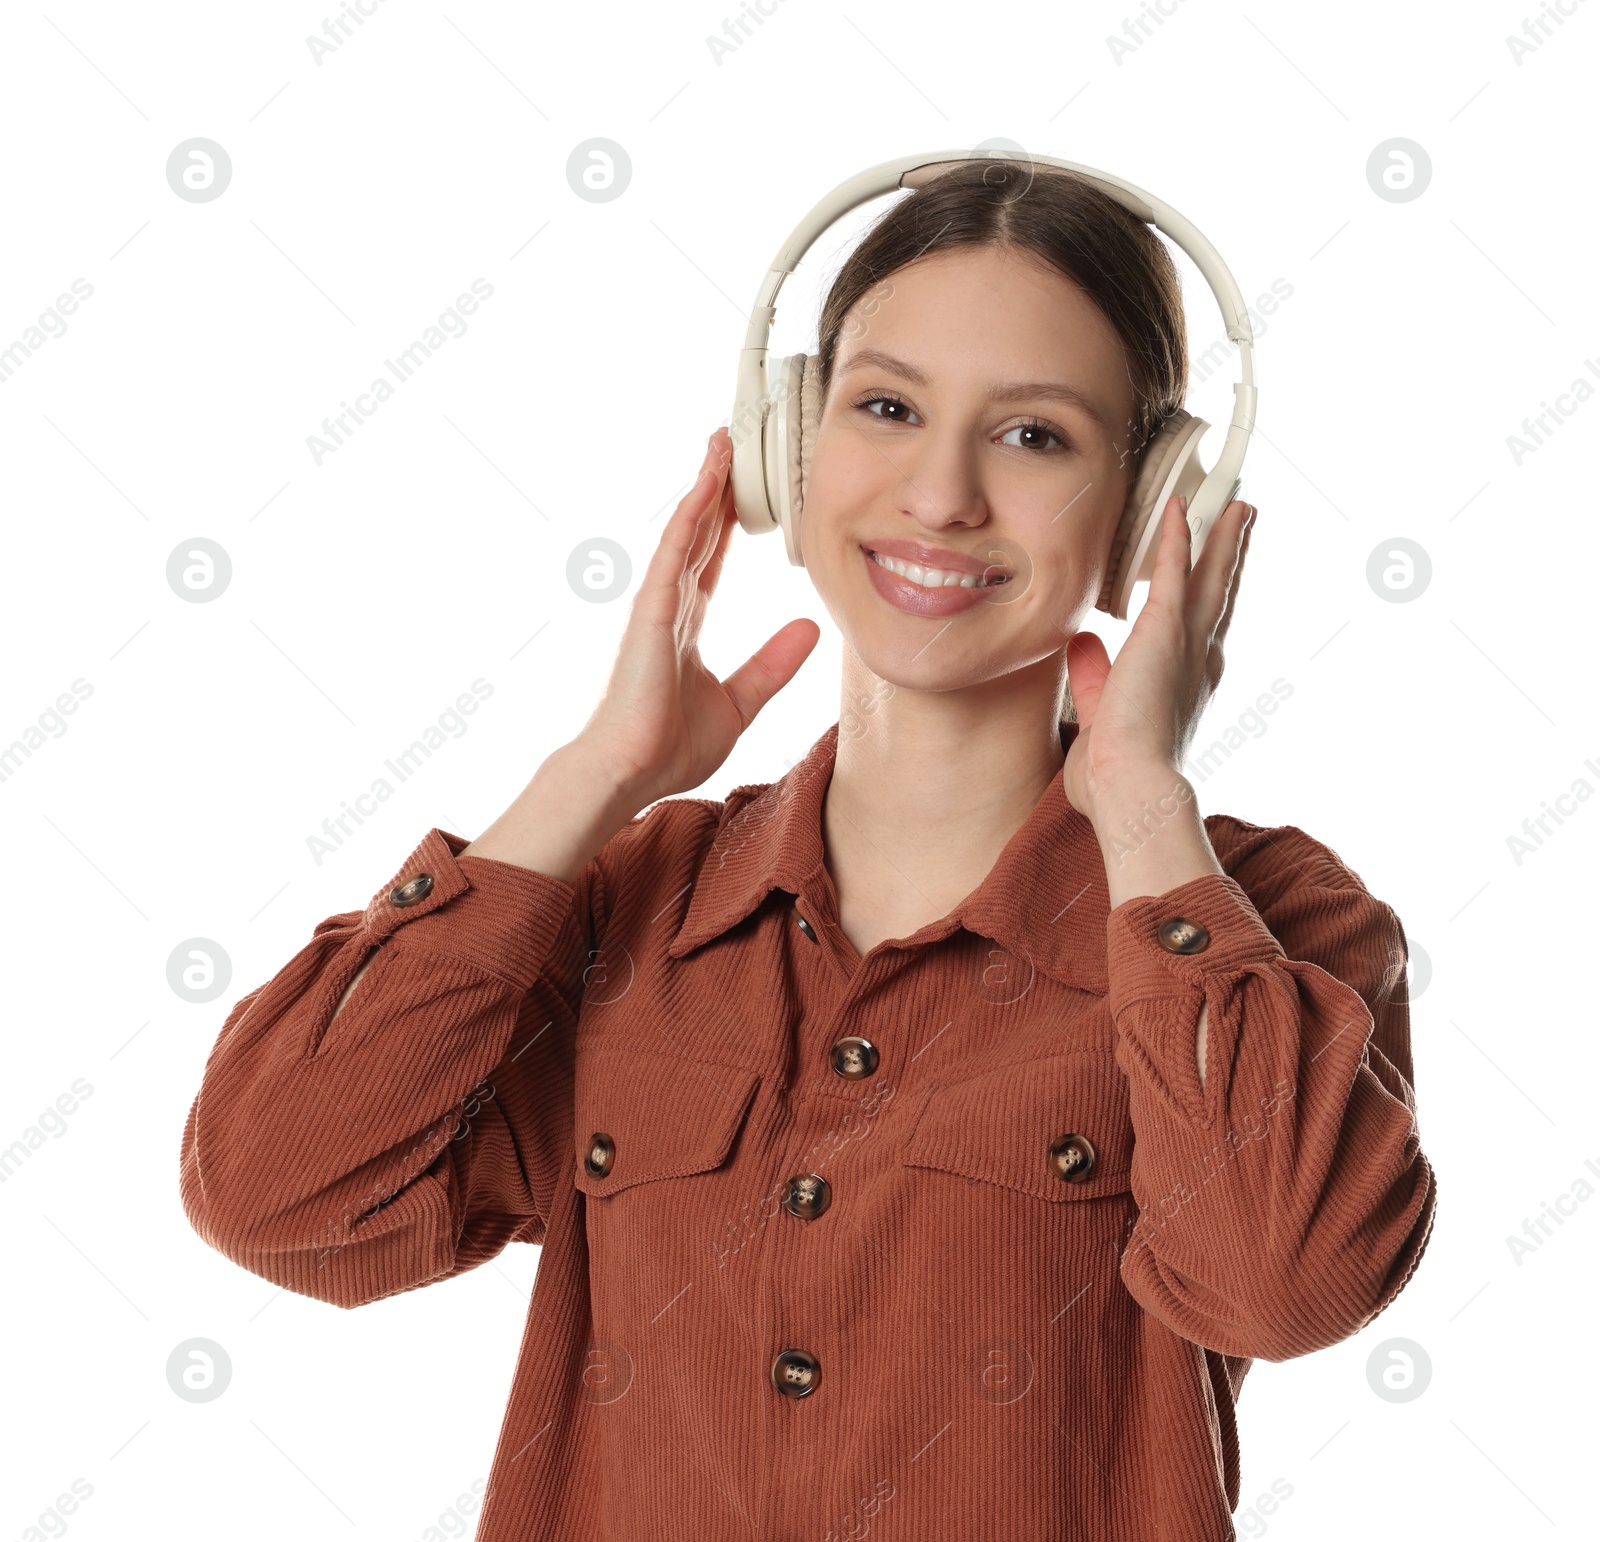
[(1170, 464), (794, 419)]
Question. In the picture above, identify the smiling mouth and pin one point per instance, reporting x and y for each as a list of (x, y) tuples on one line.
[(936, 578)]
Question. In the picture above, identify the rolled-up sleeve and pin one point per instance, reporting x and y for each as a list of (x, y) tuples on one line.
[(1284, 1202)]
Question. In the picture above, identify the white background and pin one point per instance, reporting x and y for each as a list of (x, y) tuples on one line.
[(180, 799)]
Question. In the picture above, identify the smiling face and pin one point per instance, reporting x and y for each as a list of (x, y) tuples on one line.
[(977, 422)]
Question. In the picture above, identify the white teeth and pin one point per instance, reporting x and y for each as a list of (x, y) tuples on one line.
[(932, 578)]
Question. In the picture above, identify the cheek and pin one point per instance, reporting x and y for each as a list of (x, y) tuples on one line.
[(1064, 549), (844, 467), (1080, 525), (841, 485), (1073, 592)]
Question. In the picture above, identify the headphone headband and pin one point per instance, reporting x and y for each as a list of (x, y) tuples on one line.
[(758, 493)]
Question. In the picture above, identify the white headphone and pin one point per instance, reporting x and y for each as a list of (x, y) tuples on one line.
[(774, 432)]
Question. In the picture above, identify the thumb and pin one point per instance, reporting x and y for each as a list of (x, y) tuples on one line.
[(771, 667), (1088, 664)]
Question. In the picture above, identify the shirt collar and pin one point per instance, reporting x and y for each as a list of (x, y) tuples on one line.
[(1045, 900)]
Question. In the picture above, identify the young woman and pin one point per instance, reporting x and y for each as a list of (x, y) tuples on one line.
[(927, 1141)]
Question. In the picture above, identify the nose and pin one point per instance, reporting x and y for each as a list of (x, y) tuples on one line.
[(939, 481)]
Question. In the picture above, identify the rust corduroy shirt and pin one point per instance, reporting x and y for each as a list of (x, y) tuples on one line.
[(1012, 1258)]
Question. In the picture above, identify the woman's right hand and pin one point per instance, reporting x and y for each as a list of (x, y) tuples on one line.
[(666, 723)]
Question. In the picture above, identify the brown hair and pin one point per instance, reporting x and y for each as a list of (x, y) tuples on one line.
[(1069, 222)]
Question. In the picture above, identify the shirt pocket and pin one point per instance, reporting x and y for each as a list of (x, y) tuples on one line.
[(641, 1117), (1012, 1125), (668, 1129)]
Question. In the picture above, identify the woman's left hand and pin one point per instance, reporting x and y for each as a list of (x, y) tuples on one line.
[(1137, 716)]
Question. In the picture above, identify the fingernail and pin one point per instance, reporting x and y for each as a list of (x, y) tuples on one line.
[(1183, 504)]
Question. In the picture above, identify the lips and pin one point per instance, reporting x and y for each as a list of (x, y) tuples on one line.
[(948, 599), (934, 557)]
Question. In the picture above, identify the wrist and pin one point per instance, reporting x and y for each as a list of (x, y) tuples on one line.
[(591, 766), (1133, 806), (574, 803), (1154, 839)]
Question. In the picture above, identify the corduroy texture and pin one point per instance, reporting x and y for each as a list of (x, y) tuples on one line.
[(1002, 1354)]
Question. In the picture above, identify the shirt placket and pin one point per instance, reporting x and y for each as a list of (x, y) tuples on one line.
[(842, 1060)]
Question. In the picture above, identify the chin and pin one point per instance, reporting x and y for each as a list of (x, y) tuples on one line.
[(901, 655)]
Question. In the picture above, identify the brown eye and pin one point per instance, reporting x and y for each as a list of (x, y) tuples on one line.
[(1037, 433), (868, 403)]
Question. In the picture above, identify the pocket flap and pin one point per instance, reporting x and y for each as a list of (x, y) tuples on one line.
[(998, 1127), (664, 1116)]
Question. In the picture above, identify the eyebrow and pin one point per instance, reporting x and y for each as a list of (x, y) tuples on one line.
[(1022, 391)]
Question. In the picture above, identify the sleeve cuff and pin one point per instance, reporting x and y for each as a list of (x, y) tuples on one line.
[(1140, 965), (500, 917)]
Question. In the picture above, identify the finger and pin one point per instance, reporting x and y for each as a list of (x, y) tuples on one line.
[(708, 523), (661, 586), (1088, 665), (716, 528), (771, 667), (712, 534), (728, 517), (1238, 570), (1169, 582), (678, 538), (1213, 573), (695, 596)]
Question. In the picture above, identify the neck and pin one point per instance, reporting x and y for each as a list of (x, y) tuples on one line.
[(928, 787)]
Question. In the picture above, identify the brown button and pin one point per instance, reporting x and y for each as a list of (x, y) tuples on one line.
[(598, 1158), (1071, 1157), (804, 925), (795, 1373), (806, 1195), (413, 889), (1178, 935), (854, 1058)]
